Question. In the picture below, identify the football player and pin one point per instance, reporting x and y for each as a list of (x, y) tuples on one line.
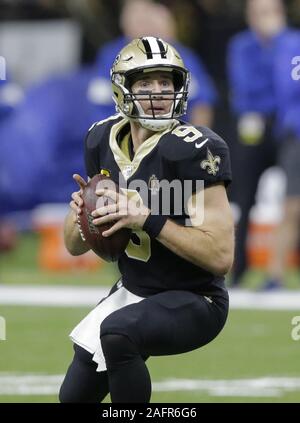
[(171, 296)]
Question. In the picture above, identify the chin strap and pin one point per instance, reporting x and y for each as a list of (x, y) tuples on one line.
[(156, 125)]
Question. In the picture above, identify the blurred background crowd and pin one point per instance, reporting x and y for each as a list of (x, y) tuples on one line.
[(243, 57)]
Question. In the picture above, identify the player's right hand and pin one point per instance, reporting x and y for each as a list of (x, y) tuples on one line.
[(76, 203)]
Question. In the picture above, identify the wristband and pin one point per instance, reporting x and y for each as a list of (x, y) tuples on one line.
[(154, 224)]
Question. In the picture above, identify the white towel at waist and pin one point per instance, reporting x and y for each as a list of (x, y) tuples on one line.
[(87, 333)]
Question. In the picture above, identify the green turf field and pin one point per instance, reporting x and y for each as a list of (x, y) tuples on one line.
[(20, 267), (253, 345)]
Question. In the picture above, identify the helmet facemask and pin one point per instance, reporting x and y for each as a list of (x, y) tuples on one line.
[(128, 103)]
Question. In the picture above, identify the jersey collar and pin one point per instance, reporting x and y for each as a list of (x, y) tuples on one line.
[(129, 167)]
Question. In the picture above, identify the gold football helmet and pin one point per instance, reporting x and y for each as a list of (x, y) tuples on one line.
[(144, 55)]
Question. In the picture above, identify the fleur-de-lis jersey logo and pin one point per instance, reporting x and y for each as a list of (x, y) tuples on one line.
[(211, 163)]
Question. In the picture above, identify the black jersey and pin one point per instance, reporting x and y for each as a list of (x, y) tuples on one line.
[(182, 153)]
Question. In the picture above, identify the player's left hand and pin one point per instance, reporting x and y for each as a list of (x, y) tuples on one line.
[(129, 213)]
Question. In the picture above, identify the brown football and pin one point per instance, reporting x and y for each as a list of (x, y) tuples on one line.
[(111, 248)]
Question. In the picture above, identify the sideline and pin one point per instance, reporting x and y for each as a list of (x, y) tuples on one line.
[(89, 296)]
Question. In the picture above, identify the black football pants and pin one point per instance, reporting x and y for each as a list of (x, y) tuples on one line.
[(171, 322)]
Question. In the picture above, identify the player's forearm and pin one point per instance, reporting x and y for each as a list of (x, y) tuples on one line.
[(206, 250), (73, 241)]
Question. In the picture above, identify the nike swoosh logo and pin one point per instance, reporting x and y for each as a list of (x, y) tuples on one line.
[(201, 143)]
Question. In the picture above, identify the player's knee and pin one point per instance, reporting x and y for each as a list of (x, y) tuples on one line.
[(118, 348)]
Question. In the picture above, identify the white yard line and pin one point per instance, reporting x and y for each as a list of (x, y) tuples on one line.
[(279, 300), (56, 296), (260, 387), (38, 384), (74, 296)]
